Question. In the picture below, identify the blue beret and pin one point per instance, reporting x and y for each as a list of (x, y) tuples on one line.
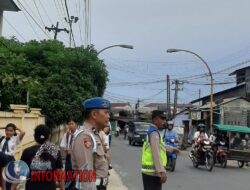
[(96, 103)]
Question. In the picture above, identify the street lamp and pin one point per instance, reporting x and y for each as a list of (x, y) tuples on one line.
[(211, 80), (119, 45)]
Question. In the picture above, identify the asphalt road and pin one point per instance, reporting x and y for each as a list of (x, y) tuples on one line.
[(126, 161)]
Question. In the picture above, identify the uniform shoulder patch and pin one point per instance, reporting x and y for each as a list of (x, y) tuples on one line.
[(87, 141)]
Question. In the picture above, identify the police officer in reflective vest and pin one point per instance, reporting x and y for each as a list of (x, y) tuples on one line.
[(87, 145), (154, 154)]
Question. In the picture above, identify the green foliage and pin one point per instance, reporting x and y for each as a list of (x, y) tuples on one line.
[(57, 78)]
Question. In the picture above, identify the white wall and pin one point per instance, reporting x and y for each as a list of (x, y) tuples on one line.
[(1, 22)]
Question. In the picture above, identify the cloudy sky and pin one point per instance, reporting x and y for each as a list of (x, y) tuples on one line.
[(219, 31)]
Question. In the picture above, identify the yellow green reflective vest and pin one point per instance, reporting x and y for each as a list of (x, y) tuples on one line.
[(147, 161)]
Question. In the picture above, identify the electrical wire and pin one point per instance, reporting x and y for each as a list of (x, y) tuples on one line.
[(154, 95), (21, 5), (66, 6), (38, 37), (78, 15), (14, 28), (39, 15), (46, 13), (60, 13), (61, 18)]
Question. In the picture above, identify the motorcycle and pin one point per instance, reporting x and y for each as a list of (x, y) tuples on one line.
[(221, 154), (203, 155), (172, 156)]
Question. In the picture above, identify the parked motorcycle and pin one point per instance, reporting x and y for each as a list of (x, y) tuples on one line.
[(203, 155), (221, 154), (172, 156)]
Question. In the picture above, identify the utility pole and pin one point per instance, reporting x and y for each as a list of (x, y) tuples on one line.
[(55, 29), (137, 105), (176, 89), (71, 20), (168, 98), (199, 96)]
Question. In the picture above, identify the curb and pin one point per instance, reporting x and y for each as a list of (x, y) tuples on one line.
[(115, 182)]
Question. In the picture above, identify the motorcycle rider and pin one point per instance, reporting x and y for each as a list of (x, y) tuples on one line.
[(170, 138), (170, 134), (201, 129), (198, 136)]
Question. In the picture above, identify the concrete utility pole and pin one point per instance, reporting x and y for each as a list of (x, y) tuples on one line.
[(137, 105), (55, 29), (199, 96), (168, 98), (176, 89), (71, 20)]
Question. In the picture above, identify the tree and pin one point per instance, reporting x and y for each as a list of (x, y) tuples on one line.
[(57, 78)]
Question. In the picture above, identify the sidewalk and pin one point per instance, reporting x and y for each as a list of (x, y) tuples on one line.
[(115, 182)]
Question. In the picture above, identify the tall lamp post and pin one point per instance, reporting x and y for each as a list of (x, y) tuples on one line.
[(119, 45), (211, 80)]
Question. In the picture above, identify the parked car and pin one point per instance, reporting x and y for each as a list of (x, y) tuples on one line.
[(137, 132)]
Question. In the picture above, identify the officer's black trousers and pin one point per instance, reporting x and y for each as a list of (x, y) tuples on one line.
[(151, 182), (68, 167), (101, 187)]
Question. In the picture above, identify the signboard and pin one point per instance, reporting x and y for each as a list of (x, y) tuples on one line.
[(195, 115)]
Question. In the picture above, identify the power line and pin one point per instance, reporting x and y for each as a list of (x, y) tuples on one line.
[(33, 19), (33, 13), (39, 13), (77, 7), (31, 25), (154, 95), (46, 13), (70, 25), (62, 8), (60, 12), (136, 83), (216, 83), (125, 69), (14, 28), (60, 17), (87, 17)]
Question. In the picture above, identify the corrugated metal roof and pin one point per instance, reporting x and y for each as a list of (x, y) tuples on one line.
[(242, 85), (233, 128)]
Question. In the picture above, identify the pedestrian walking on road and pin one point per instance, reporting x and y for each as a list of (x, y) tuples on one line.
[(125, 132), (88, 147), (154, 157)]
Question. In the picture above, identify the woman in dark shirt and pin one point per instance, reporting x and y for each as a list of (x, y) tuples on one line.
[(44, 156)]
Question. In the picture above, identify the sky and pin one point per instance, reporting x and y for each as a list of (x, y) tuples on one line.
[(218, 31)]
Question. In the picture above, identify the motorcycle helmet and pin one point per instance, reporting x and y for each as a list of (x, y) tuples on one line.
[(170, 125), (201, 127)]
